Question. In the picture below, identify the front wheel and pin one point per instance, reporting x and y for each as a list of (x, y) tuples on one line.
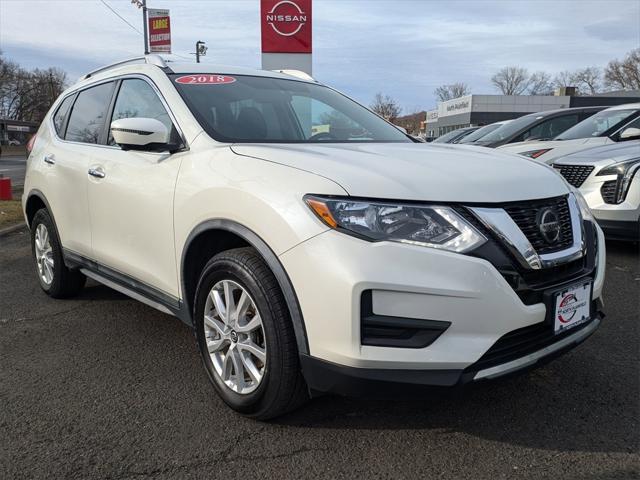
[(245, 336)]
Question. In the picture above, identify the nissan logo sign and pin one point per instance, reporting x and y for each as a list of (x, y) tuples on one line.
[(286, 18), (549, 225)]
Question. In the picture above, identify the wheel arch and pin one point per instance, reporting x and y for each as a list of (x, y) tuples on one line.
[(36, 201), (217, 235)]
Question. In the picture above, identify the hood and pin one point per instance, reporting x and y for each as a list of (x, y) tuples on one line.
[(557, 148), (417, 171), (604, 154)]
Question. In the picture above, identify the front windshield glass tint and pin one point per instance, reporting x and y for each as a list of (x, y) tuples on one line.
[(481, 132), (596, 125), (250, 109), (447, 137), (509, 129)]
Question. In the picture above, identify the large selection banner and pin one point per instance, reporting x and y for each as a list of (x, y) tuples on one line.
[(159, 31), (286, 26)]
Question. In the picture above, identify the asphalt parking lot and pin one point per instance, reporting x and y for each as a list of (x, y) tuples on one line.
[(104, 387)]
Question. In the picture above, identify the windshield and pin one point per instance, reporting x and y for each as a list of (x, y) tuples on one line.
[(250, 109), (507, 130), (481, 132), (596, 125), (448, 137)]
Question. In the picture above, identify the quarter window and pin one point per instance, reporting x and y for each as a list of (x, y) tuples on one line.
[(61, 114), (86, 123), (136, 99)]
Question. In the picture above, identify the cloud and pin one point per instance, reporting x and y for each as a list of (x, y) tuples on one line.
[(403, 48)]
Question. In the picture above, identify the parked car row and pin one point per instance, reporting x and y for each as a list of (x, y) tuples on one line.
[(583, 145)]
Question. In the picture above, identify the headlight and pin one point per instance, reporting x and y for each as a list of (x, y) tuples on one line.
[(536, 153), (585, 211), (432, 226), (624, 172)]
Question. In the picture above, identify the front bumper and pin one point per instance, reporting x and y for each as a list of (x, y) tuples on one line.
[(331, 271), (621, 230), (618, 221), (327, 377)]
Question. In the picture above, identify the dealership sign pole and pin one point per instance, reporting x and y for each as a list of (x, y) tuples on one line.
[(159, 30), (286, 35)]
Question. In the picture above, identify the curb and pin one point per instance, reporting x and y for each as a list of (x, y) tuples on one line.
[(11, 229)]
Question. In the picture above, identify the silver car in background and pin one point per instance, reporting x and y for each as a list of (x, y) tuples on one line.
[(608, 178)]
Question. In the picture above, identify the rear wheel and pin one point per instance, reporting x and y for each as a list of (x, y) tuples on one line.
[(245, 336), (55, 278)]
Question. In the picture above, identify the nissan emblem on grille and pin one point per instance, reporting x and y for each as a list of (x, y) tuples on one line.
[(549, 225)]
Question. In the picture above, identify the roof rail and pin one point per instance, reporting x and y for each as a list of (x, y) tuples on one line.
[(156, 60), (298, 74)]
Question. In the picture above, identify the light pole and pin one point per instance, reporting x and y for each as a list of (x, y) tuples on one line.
[(143, 4), (201, 50)]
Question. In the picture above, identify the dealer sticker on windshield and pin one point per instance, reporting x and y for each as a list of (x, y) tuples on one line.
[(572, 306), (205, 79)]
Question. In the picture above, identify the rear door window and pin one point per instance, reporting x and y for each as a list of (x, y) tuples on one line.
[(88, 115), (550, 128)]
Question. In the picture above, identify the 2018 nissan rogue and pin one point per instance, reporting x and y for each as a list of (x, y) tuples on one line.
[(312, 246)]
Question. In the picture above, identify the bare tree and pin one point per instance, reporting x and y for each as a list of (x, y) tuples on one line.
[(28, 95), (587, 80), (451, 91), (385, 106), (511, 80), (625, 74), (540, 84)]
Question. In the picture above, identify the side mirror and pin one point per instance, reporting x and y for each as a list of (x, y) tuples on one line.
[(630, 133), (140, 134)]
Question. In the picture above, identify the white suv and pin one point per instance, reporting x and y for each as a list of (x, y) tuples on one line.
[(608, 178), (312, 246)]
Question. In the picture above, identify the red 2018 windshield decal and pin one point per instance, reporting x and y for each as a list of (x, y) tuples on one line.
[(205, 79)]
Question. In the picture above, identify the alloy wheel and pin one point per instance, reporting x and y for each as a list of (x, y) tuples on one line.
[(235, 337), (44, 254)]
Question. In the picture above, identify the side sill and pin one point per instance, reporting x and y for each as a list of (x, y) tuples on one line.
[(127, 285)]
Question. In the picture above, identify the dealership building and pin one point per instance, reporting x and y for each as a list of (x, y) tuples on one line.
[(474, 110)]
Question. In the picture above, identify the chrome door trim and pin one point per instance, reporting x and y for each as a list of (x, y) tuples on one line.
[(96, 172)]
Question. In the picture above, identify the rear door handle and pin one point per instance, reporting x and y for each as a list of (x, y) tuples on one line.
[(96, 172), (50, 159)]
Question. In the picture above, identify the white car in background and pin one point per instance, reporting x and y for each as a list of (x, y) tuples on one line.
[(608, 178), (615, 124)]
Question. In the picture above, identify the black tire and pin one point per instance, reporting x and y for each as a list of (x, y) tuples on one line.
[(66, 282), (282, 388)]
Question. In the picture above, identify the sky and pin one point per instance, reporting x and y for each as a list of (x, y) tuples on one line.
[(403, 48)]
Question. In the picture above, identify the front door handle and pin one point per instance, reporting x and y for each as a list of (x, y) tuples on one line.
[(50, 159), (96, 172)]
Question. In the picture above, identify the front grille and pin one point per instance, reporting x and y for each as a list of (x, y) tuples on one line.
[(521, 342), (525, 214), (574, 174), (608, 191)]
